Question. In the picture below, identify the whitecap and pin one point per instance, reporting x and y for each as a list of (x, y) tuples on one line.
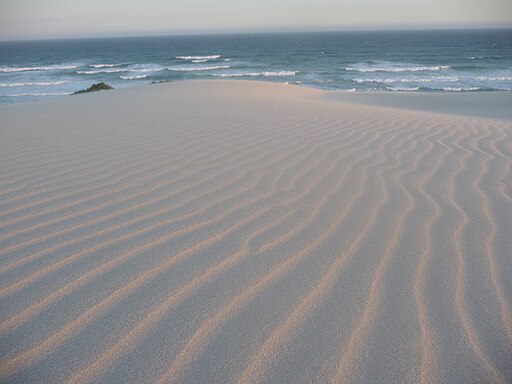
[(459, 89), (116, 70), (407, 79), (135, 68), (35, 94), (403, 88), (37, 84), (47, 68), (495, 78), (133, 77), (187, 69), (210, 57), (384, 66), (104, 65), (255, 74)]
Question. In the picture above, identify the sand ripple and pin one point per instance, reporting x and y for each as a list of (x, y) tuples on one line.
[(254, 234)]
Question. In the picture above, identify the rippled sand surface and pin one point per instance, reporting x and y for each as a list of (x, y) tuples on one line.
[(245, 232)]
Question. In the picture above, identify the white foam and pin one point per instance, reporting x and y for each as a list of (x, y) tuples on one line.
[(104, 65), (439, 78), (48, 68), (136, 68), (103, 71), (200, 61), (403, 88), (187, 69), (460, 89), (35, 94), (133, 77), (38, 84), (495, 78), (255, 74), (383, 66), (211, 57), (408, 80)]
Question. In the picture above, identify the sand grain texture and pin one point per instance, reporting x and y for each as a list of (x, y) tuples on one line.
[(246, 232)]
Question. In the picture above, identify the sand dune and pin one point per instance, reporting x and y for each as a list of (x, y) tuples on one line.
[(246, 232)]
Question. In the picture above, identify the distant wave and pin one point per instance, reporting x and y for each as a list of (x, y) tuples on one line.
[(211, 57), (494, 78), (136, 68), (103, 71), (408, 80), (145, 69), (133, 77), (255, 74), (383, 66), (104, 65), (403, 88), (485, 57), (458, 89), (200, 61), (187, 69), (37, 84), (35, 94), (46, 68)]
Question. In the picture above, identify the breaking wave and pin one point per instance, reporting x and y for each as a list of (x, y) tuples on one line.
[(136, 68), (256, 74), (102, 71), (408, 80), (495, 78), (384, 66), (133, 77), (211, 57), (104, 65), (187, 69), (403, 88), (37, 84), (458, 89), (35, 94), (45, 68)]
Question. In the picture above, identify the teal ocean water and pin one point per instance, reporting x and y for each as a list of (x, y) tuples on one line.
[(401, 61)]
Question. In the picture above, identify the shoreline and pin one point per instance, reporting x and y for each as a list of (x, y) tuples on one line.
[(430, 61), (488, 104), (483, 104)]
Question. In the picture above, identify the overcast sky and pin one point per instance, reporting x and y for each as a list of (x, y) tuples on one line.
[(21, 19)]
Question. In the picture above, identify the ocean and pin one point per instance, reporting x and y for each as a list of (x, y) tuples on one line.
[(401, 61)]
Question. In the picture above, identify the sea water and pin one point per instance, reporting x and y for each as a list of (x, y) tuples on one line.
[(400, 61)]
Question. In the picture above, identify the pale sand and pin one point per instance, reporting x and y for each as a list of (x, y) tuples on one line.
[(495, 105), (245, 232)]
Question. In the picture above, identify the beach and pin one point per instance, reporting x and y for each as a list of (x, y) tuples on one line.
[(221, 231), (398, 62)]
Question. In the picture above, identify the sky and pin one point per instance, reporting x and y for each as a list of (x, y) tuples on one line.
[(33, 19)]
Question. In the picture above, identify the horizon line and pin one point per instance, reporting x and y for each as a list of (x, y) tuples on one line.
[(262, 32)]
